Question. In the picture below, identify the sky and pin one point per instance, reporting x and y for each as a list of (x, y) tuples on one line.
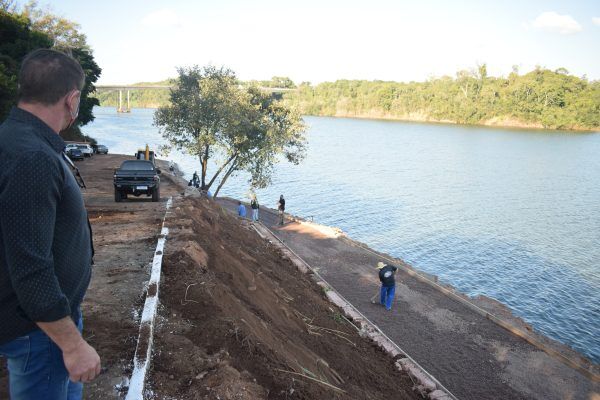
[(321, 40)]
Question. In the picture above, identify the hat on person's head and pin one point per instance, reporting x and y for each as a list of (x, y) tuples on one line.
[(380, 265)]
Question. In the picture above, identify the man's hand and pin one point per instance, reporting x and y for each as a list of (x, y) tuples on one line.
[(82, 362)]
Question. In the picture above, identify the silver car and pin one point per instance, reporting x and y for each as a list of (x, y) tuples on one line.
[(86, 149)]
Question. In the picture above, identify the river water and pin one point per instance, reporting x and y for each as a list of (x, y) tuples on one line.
[(510, 214)]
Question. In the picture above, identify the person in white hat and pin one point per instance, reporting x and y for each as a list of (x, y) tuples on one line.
[(388, 284)]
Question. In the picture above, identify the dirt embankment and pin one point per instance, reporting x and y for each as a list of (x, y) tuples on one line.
[(238, 321)]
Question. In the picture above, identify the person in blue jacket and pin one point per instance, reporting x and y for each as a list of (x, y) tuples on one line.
[(241, 210), (388, 284)]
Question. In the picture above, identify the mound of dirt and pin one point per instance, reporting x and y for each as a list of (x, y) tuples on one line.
[(238, 321)]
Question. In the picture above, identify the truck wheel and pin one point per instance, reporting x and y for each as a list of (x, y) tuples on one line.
[(118, 197), (156, 194)]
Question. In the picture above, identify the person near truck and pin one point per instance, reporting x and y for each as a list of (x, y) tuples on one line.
[(255, 206), (388, 284), (281, 209), (45, 237)]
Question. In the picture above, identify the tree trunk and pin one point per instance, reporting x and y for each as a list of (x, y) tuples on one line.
[(201, 162), (229, 171), (220, 170), (204, 166), (465, 90)]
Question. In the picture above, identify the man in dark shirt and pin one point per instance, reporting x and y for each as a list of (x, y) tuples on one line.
[(388, 284), (281, 209), (45, 237), (255, 206)]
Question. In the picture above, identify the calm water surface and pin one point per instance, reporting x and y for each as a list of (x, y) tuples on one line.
[(510, 214)]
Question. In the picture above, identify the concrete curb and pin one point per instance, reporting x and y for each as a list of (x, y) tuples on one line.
[(143, 351), (425, 383)]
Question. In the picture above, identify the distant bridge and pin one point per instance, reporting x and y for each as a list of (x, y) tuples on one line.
[(128, 88)]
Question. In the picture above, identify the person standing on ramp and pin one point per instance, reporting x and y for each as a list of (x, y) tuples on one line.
[(281, 209), (388, 284), (255, 206)]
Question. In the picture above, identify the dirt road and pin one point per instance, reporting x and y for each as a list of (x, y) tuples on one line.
[(125, 236), (470, 355)]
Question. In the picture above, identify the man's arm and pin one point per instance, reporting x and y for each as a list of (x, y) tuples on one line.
[(81, 360)]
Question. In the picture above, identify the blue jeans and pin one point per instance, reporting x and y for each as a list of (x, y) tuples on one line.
[(387, 296), (36, 370), (255, 214)]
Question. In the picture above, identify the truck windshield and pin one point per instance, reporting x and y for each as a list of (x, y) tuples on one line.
[(137, 166)]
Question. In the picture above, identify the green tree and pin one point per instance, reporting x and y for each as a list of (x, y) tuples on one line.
[(88, 101), (17, 39), (67, 37), (199, 108), (210, 116), (64, 33), (282, 82), (543, 98), (262, 129), (9, 6), (35, 28)]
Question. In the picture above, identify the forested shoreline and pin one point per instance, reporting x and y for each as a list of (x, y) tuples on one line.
[(541, 98)]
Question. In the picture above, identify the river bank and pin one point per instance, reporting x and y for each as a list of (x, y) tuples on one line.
[(505, 122), (418, 117)]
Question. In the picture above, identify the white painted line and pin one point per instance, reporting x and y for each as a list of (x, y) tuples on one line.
[(149, 309), (142, 357), (157, 261)]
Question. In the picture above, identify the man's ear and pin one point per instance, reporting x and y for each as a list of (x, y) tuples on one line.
[(73, 99)]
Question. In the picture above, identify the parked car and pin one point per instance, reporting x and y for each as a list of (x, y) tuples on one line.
[(74, 153), (137, 177), (86, 149), (100, 149)]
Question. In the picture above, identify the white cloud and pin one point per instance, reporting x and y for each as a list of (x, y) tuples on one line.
[(164, 18), (596, 21), (554, 22)]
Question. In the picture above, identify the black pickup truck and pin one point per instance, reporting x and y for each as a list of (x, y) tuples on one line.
[(137, 177)]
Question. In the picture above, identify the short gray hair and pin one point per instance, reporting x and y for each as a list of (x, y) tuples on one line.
[(47, 75)]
